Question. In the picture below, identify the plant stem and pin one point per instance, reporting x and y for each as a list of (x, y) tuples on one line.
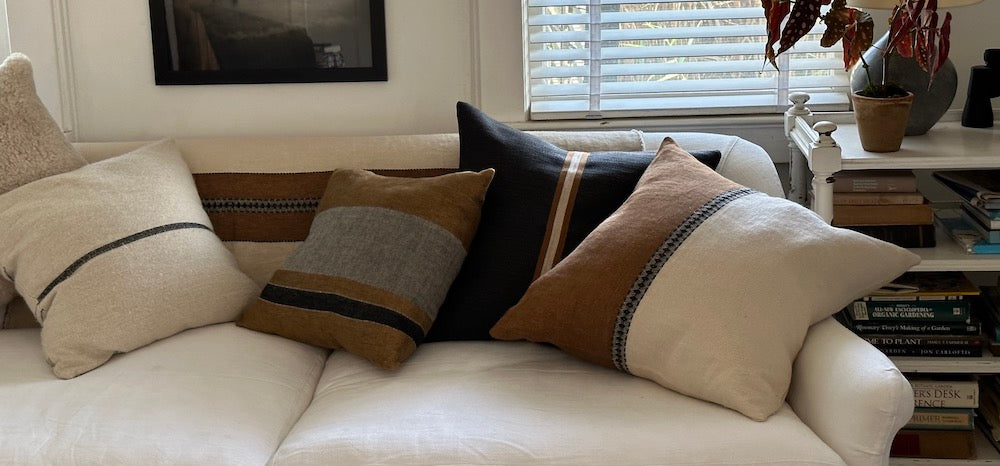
[(868, 72)]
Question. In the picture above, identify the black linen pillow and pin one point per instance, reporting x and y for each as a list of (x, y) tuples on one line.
[(542, 203)]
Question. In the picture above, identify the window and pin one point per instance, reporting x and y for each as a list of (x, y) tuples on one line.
[(621, 58)]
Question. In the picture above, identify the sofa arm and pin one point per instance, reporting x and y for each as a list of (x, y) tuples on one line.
[(849, 393)]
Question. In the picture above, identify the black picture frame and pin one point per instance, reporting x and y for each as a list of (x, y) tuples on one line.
[(252, 60)]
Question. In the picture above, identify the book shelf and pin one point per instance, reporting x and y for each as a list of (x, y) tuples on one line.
[(819, 149)]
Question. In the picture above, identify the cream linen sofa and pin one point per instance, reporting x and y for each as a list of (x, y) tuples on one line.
[(226, 395)]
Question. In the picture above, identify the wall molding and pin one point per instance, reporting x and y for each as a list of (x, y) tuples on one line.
[(4, 33), (475, 43), (64, 68)]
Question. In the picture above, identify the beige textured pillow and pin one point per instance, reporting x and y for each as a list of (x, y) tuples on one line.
[(116, 255), (31, 144), (702, 285)]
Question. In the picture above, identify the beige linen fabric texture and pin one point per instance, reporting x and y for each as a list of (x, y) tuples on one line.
[(727, 288), (31, 144), (128, 295)]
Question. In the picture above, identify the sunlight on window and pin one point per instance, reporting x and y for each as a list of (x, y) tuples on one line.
[(667, 57)]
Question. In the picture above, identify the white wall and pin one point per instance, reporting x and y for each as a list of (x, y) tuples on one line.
[(439, 51), (429, 60)]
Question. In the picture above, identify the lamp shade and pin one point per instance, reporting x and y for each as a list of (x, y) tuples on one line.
[(890, 4)]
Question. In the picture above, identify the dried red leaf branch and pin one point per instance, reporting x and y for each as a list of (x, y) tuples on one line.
[(913, 30)]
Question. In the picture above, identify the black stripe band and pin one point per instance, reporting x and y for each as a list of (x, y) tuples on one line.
[(329, 302), (115, 245)]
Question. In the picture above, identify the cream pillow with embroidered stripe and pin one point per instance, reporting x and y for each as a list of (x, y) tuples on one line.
[(702, 285)]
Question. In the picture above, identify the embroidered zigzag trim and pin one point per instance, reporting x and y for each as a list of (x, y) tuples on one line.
[(260, 205), (655, 264)]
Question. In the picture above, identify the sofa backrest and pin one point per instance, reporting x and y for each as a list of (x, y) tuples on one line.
[(742, 161), (261, 240)]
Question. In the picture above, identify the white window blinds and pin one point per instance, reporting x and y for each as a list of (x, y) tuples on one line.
[(621, 58)]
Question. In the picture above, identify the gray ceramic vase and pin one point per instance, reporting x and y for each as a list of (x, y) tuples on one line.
[(929, 105)]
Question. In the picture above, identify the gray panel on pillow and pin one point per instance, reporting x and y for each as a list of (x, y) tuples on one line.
[(343, 238)]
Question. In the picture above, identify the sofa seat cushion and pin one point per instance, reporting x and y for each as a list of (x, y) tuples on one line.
[(213, 395), (523, 403)]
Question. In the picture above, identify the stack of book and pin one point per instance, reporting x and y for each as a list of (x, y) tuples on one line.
[(975, 222), (943, 422), (920, 314), (884, 204)]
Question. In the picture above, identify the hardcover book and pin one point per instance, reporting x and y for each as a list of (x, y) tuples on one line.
[(915, 328), (883, 181), (979, 187), (911, 214), (945, 444), (904, 236), (986, 308), (935, 393), (963, 233), (988, 220), (924, 340), (942, 351), (926, 286), (942, 418), (943, 311), (876, 198)]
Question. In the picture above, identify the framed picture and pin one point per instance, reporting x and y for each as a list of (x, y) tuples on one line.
[(267, 41)]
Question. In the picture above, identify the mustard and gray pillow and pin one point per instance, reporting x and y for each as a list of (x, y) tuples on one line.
[(379, 258)]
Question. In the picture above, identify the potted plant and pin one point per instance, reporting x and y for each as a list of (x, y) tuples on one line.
[(881, 108)]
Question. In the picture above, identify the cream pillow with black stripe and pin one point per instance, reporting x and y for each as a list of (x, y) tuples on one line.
[(116, 255), (379, 258)]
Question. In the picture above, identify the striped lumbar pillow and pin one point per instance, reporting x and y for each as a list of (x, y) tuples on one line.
[(380, 256), (116, 255), (702, 286)]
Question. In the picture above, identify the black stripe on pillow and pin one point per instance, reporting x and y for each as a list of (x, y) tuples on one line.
[(340, 305), (112, 246)]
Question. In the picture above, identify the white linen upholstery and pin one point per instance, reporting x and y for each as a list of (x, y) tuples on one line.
[(878, 397), (742, 161), (523, 403), (304, 154), (222, 394), (212, 395)]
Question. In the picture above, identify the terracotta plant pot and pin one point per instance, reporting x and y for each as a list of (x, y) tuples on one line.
[(881, 121)]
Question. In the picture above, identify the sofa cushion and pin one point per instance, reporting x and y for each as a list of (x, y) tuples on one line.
[(703, 286), (380, 256), (214, 395), (542, 203), (519, 403), (116, 255)]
